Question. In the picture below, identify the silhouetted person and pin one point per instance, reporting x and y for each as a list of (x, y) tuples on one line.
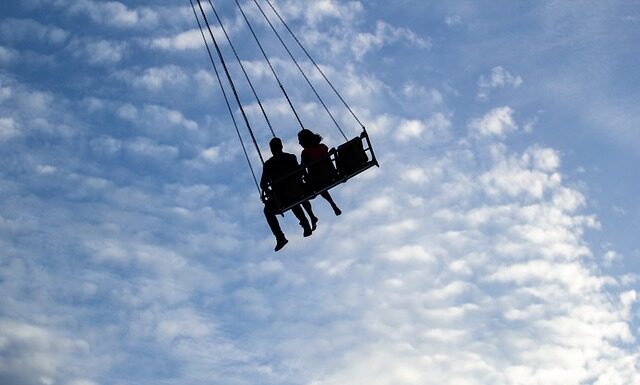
[(321, 172), (284, 191)]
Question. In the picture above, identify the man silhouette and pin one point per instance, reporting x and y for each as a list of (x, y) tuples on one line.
[(286, 187)]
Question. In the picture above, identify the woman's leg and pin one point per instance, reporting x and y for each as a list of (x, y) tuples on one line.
[(328, 198), (307, 207)]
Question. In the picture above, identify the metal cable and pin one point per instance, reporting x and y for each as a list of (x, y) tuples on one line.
[(264, 113), (300, 69), (233, 87), (315, 64), (226, 99), (269, 62)]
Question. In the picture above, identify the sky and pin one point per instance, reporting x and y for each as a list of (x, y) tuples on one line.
[(495, 244)]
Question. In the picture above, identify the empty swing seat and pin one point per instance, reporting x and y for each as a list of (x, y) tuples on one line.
[(352, 158)]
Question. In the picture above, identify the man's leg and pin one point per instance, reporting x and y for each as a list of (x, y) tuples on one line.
[(297, 211), (274, 225)]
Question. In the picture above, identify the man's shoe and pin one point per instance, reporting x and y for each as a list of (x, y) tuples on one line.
[(336, 210), (314, 222), (280, 244), (307, 231)]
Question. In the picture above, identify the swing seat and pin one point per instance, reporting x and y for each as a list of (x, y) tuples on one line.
[(350, 159)]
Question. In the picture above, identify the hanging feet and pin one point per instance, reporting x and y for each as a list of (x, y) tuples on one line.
[(314, 223), (336, 210), (280, 243), (307, 231)]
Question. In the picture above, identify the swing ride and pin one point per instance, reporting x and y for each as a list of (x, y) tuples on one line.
[(349, 159)]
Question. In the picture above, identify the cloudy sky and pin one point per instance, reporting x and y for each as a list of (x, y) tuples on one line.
[(496, 244)]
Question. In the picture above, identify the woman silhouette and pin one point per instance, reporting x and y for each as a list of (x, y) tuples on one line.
[(321, 172)]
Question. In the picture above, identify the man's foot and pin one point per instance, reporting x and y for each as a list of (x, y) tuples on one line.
[(314, 222), (280, 244), (336, 210), (307, 231)]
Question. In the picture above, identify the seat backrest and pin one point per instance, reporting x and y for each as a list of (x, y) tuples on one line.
[(351, 156)]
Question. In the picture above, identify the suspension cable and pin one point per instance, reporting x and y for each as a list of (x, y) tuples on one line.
[(226, 99), (270, 66), (233, 87), (315, 64), (264, 113), (301, 70)]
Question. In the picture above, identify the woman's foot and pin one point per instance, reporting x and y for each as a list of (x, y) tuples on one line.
[(336, 210)]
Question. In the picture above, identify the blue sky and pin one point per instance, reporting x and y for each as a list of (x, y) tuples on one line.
[(496, 244)]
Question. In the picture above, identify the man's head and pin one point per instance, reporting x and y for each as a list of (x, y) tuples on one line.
[(276, 146)]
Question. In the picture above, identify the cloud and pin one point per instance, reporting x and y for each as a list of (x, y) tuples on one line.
[(157, 78), (155, 118), (99, 52), (499, 78), (34, 354), (497, 122), (319, 11), (453, 20), (517, 177), (183, 41), (438, 124), (7, 55), (386, 34), (114, 13), (8, 129), (34, 112), (149, 148), (416, 314), (17, 30)]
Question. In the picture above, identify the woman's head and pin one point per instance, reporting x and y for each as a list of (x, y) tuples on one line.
[(307, 138)]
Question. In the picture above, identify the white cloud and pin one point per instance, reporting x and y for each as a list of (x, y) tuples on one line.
[(157, 78), (155, 117), (114, 13), (8, 129), (98, 52), (545, 159), (510, 178), (34, 354), (499, 78), (386, 34), (453, 20), (497, 122), (211, 154), (436, 125), (16, 30), (149, 148), (319, 11), (5, 92), (183, 41), (410, 129), (7, 55), (415, 175)]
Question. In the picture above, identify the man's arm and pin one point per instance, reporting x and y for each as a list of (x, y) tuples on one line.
[(266, 176)]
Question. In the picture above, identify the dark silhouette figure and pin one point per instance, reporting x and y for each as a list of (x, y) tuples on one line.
[(286, 187), (321, 170)]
